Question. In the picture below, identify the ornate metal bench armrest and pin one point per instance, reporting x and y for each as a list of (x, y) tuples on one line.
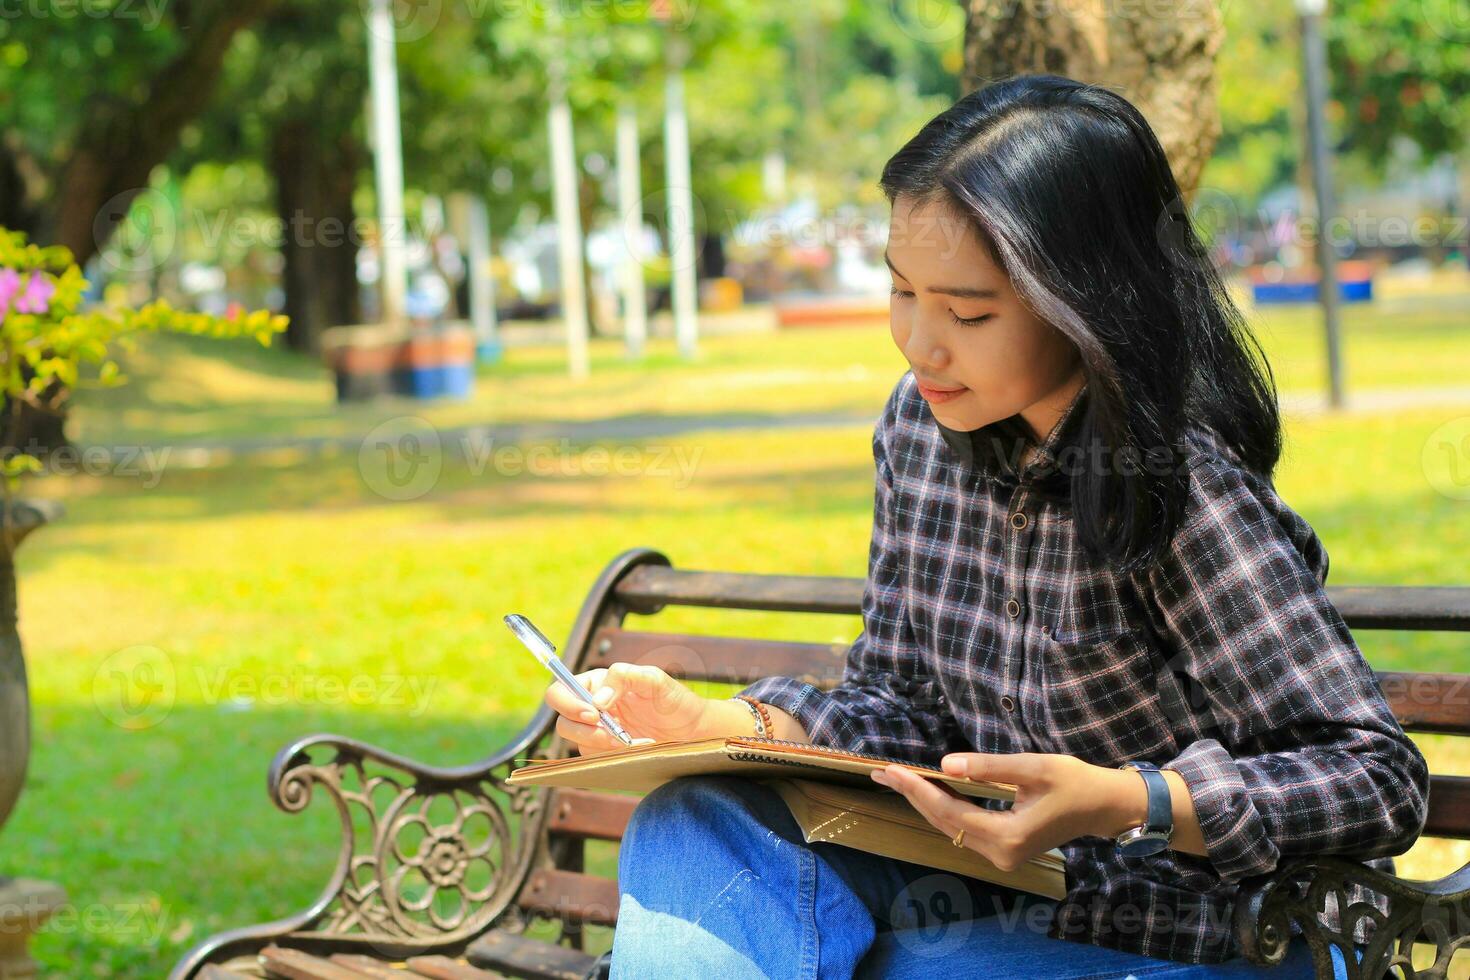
[(1434, 912), (429, 858)]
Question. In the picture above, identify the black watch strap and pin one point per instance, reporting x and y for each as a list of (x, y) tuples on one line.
[(1160, 809)]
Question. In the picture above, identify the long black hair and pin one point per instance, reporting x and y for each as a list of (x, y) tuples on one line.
[(1067, 186)]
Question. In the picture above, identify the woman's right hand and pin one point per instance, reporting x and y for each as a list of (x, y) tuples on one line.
[(649, 704)]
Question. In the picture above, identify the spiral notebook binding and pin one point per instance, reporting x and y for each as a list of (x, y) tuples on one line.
[(773, 759), (747, 757)]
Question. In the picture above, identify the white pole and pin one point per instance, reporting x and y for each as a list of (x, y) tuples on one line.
[(630, 205), (773, 176), (387, 162), (568, 222), (681, 201), (1314, 54), (482, 283)]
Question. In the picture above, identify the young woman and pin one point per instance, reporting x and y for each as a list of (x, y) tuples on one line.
[(1081, 581)]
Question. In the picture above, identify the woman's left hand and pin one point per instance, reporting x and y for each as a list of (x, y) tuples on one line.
[(1058, 798)]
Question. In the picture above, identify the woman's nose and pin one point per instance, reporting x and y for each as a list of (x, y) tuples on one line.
[(923, 349)]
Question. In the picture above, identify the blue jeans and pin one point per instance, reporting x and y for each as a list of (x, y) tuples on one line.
[(717, 881)]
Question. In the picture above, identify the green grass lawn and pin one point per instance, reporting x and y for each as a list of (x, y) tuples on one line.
[(264, 591)]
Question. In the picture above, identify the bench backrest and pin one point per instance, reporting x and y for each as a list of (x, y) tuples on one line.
[(642, 582)]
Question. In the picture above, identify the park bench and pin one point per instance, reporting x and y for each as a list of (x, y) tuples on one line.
[(407, 825)]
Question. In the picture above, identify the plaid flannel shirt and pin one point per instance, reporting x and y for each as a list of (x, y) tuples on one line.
[(987, 628)]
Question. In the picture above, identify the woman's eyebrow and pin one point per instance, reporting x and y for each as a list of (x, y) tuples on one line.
[(965, 292)]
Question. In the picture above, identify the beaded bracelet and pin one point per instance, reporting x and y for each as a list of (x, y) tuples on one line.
[(764, 727)]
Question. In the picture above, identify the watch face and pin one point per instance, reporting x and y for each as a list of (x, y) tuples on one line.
[(1144, 845)]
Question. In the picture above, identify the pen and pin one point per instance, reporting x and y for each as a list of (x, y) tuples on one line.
[(545, 651)]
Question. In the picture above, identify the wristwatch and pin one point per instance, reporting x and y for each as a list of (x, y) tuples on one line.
[(1152, 836)]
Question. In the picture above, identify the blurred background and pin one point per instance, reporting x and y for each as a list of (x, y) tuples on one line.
[(566, 278)]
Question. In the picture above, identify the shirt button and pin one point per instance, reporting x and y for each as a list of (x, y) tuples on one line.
[(1013, 607), (1007, 702), (1019, 521)]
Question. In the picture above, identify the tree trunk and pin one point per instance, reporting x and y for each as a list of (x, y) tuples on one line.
[(122, 140), (589, 193), (21, 188), (1162, 60), (30, 428), (315, 177), (711, 255)]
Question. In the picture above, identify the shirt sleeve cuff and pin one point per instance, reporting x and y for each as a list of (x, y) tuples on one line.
[(1234, 834), (798, 699)]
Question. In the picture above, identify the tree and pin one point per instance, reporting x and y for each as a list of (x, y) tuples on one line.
[(88, 107), (92, 104), (1401, 71), (291, 100), (1163, 60), (1260, 147)]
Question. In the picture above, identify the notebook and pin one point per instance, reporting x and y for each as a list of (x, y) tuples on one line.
[(640, 768), (886, 824)]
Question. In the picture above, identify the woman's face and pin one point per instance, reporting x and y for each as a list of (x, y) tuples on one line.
[(978, 353)]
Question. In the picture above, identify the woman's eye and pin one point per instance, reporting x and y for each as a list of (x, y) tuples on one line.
[(895, 291), (973, 321)]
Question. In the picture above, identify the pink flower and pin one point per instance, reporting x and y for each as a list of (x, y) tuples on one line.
[(37, 295), (9, 286)]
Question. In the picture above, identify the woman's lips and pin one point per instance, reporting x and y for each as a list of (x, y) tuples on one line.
[(937, 395)]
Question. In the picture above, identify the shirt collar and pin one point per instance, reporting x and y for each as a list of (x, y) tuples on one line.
[(994, 450)]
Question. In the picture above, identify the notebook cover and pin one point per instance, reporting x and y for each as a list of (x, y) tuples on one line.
[(643, 767), (886, 824)]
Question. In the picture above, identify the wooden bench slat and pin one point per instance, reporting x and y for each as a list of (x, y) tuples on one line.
[(528, 957), (650, 586), (213, 972), (570, 896), (590, 814), (444, 968), (369, 966), (1403, 607), (1379, 607), (293, 964), (1431, 703), (1449, 807), (723, 659)]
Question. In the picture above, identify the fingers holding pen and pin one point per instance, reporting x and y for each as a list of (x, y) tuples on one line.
[(587, 738), (567, 704), (642, 698), (612, 685)]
